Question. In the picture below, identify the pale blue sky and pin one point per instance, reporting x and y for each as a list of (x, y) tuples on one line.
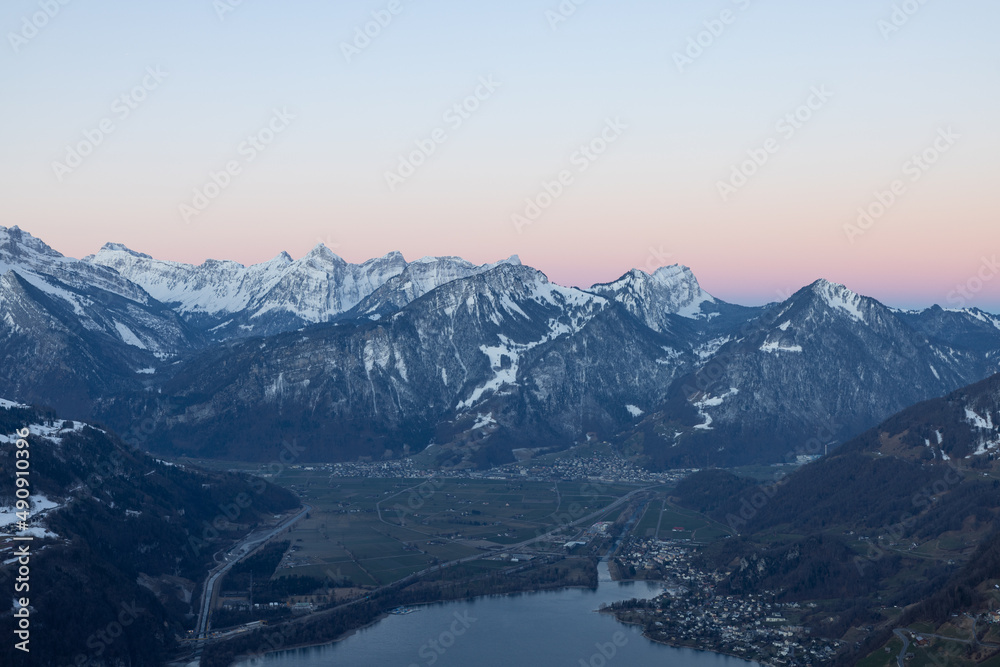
[(324, 177)]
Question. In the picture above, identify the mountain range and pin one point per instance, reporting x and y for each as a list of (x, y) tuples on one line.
[(465, 363)]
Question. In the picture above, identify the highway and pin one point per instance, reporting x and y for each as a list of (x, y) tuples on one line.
[(240, 551), (252, 542)]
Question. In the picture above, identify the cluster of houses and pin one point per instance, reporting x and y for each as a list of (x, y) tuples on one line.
[(240, 601), (661, 558), (689, 613), (596, 467)]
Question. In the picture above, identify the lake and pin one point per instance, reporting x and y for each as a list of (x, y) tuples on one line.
[(544, 629)]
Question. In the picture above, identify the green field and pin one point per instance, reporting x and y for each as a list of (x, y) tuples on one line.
[(369, 532), (676, 523), (647, 525), (764, 473), (882, 657), (939, 653)]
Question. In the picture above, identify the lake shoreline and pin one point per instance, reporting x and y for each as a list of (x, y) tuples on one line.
[(384, 615), (499, 609), (679, 645)]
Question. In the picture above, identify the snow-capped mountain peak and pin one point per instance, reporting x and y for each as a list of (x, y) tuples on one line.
[(682, 281), (668, 291), (118, 247), (67, 301), (15, 242), (321, 251), (285, 293), (674, 273), (57, 275), (839, 297)]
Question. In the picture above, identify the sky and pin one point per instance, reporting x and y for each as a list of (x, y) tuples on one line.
[(763, 144)]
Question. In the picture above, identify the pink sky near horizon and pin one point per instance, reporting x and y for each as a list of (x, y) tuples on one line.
[(650, 199), (726, 272)]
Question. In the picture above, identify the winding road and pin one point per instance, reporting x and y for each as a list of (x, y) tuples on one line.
[(901, 658)]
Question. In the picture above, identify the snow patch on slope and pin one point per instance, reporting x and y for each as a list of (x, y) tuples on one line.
[(482, 421), (975, 420), (580, 306), (128, 337), (711, 402), (40, 506), (775, 346), (985, 447)]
